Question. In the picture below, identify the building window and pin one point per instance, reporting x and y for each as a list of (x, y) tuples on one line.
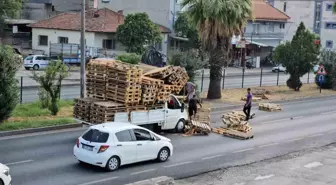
[(63, 40), (158, 46), (329, 44), (329, 7), (282, 26), (255, 29), (330, 25), (285, 6), (43, 40), (109, 44)]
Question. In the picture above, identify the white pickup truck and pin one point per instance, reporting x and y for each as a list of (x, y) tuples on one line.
[(171, 117)]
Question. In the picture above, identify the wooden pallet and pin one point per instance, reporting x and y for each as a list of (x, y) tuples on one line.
[(269, 107), (254, 99), (233, 133), (151, 81), (160, 72)]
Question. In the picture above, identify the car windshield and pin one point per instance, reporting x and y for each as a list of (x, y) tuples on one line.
[(96, 136), (29, 57)]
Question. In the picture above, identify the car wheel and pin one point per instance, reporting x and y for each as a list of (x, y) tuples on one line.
[(113, 163), (1, 182), (27, 68), (36, 67), (163, 155), (180, 126)]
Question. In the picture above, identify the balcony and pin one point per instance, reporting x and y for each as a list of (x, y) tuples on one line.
[(266, 35)]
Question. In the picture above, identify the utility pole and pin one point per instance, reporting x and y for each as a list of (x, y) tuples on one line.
[(83, 52)]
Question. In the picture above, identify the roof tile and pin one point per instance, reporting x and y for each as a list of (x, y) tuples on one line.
[(265, 11)]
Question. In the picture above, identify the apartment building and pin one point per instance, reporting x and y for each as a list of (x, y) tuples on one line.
[(315, 14)]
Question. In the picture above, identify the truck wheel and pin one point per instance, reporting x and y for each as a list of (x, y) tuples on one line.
[(27, 68), (36, 67), (180, 126)]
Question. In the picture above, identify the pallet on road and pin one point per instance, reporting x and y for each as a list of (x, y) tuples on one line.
[(269, 107), (233, 133)]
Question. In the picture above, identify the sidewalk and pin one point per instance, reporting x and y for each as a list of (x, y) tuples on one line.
[(233, 71), (313, 167)]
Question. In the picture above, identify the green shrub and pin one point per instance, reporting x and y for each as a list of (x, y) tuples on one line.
[(130, 58)]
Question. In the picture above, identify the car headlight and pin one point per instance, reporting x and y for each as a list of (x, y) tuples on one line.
[(6, 172)]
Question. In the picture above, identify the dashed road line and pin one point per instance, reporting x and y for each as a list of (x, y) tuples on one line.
[(178, 164), (99, 181), (267, 145), (264, 177), (313, 165), (18, 162), (211, 157), (145, 171), (296, 139), (330, 112), (332, 132), (244, 150), (274, 121)]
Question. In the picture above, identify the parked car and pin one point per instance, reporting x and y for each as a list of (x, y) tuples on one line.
[(5, 177), (279, 68), (111, 145), (36, 62)]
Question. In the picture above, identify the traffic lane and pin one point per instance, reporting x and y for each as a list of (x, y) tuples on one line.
[(182, 160)]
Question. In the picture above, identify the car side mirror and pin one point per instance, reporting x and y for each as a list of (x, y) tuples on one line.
[(182, 107)]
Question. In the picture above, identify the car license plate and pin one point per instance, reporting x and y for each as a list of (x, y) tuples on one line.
[(87, 147)]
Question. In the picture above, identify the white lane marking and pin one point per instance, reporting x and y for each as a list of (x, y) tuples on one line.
[(313, 165), (315, 135), (99, 181), (178, 164), (211, 157), (244, 150), (271, 144), (296, 139), (330, 112), (149, 170), (19, 162), (264, 177)]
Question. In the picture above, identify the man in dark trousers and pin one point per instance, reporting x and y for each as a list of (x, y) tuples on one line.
[(248, 104), (192, 108)]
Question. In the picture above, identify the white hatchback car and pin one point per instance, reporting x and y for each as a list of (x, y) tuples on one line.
[(36, 62), (111, 145), (5, 178)]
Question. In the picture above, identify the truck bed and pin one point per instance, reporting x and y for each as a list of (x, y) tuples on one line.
[(141, 117)]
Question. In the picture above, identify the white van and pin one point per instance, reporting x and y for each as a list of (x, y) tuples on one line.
[(36, 62)]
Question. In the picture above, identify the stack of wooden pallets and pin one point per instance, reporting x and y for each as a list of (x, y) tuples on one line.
[(270, 107), (150, 89), (196, 127), (123, 83), (96, 79), (104, 111), (203, 115), (82, 108), (115, 86)]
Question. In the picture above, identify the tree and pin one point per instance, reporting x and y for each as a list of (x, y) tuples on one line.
[(9, 92), (184, 29), (217, 21), (298, 56), (8, 8), (51, 80), (138, 30), (334, 8)]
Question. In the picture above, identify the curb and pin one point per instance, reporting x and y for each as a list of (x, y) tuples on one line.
[(163, 180), (40, 129), (230, 107)]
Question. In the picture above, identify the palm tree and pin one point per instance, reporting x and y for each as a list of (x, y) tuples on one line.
[(217, 21)]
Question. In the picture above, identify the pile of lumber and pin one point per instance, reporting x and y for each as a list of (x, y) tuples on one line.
[(196, 127), (114, 86), (236, 121), (254, 99), (270, 107), (260, 93), (82, 108)]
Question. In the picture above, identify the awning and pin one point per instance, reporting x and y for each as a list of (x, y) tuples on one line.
[(257, 43)]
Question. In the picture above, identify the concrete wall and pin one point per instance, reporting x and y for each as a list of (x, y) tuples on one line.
[(36, 11), (159, 11), (328, 17)]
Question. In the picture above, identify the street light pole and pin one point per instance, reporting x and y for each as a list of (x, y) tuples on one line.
[(82, 67)]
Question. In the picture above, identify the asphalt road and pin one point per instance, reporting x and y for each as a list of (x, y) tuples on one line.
[(47, 159), (71, 91)]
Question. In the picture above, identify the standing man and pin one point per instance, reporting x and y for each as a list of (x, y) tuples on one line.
[(192, 108), (248, 104), (190, 87)]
